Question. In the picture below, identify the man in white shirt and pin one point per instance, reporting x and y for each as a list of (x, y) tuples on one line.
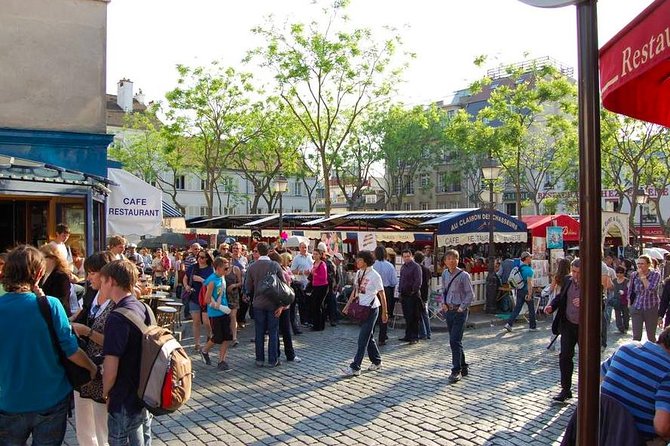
[(62, 235), (301, 266), (117, 246)]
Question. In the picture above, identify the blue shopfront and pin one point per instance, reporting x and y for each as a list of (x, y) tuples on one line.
[(52, 177)]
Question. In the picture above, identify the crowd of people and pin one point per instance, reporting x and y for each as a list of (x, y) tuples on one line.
[(221, 288)]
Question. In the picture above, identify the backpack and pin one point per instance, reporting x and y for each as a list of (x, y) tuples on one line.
[(515, 279), (276, 290), (165, 368)]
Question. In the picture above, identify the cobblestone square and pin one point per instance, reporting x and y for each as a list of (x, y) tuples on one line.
[(506, 399)]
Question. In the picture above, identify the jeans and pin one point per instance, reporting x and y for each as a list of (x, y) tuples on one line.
[(649, 318), (390, 304), (316, 307), (455, 325), (520, 300), (129, 429), (46, 426), (411, 305), (366, 339), (265, 320), (331, 305), (424, 323), (285, 331), (622, 317), (303, 306)]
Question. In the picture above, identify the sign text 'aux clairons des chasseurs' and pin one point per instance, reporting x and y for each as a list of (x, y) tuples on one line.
[(485, 216)]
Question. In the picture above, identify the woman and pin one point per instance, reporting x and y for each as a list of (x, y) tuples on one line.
[(233, 277), (562, 271), (193, 280), (78, 264), (89, 407), (319, 290), (56, 280), (369, 291), (35, 390), (621, 314), (285, 312), (644, 301)]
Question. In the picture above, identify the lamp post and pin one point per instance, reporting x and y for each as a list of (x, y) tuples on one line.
[(588, 405), (490, 172), (280, 186), (641, 199)]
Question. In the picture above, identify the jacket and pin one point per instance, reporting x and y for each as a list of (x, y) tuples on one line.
[(559, 304)]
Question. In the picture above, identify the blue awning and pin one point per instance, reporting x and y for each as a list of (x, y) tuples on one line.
[(461, 228)]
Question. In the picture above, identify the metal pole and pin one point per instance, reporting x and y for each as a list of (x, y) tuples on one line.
[(639, 234), (588, 408), (491, 282), (281, 215)]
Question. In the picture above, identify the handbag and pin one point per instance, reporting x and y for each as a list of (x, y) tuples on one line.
[(78, 376), (275, 289), (186, 294), (633, 294), (356, 311)]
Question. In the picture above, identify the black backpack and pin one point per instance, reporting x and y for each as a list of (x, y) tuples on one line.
[(275, 289)]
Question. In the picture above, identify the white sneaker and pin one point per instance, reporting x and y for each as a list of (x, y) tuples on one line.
[(508, 327), (295, 359), (375, 367), (348, 371)]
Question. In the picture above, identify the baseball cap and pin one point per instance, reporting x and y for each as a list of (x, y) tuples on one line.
[(322, 247), (338, 256), (524, 255), (132, 245)]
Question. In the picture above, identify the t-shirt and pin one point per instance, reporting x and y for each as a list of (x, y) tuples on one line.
[(31, 377), (638, 376), (369, 283), (124, 340), (219, 292), (195, 270)]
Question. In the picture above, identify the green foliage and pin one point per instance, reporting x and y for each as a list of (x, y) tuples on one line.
[(328, 75)]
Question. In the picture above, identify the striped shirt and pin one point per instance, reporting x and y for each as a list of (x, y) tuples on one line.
[(638, 376), (460, 292), (387, 271), (645, 299)]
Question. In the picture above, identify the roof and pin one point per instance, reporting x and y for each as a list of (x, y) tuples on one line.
[(537, 224), (171, 212), (20, 169), (290, 219), (224, 221), (398, 220)]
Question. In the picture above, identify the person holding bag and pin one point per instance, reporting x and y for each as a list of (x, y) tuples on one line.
[(36, 393), (218, 313), (368, 291)]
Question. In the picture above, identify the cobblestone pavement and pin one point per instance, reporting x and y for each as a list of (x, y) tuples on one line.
[(506, 399)]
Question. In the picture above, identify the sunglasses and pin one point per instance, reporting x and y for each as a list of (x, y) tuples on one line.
[(202, 257)]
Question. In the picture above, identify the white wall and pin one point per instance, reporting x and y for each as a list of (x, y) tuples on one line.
[(52, 54)]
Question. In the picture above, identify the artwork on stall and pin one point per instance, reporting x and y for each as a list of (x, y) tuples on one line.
[(367, 241), (554, 256), (539, 248), (541, 276), (333, 241), (555, 237)]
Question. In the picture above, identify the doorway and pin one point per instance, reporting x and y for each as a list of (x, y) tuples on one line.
[(23, 222)]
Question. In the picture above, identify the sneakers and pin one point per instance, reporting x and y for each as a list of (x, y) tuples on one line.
[(295, 359), (508, 327), (348, 371), (454, 377), (205, 357), (260, 363), (465, 371), (235, 343), (375, 367), (223, 366), (564, 395)]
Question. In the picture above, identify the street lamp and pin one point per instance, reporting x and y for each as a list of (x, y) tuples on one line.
[(280, 186), (641, 199), (490, 172)]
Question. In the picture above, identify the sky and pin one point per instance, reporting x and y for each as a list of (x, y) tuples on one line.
[(146, 39)]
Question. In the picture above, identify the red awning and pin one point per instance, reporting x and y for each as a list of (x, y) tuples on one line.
[(537, 225), (635, 67)]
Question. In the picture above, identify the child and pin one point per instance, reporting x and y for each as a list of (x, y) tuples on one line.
[(218, 312)]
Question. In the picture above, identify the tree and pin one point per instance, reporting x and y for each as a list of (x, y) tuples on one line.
[(328, 76), (213, 107), (635, 155), (272, 151), (413, 141), (527, 125), (308, 169)]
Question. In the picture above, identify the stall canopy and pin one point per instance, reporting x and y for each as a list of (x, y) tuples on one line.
[(635, 67), (537, 225), (472, 226)]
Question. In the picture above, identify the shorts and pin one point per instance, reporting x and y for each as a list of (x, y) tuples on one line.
[(233, 301), (221, 329), (195, 306)]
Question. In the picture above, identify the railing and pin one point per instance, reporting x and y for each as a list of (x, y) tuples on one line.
[(478, 284)]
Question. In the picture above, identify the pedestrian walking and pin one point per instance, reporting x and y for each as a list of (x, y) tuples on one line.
[(458, 295), (426, 275), (369, 290), (410, 296), (524, 295), (389, 280), (218, 314), (644, 300)]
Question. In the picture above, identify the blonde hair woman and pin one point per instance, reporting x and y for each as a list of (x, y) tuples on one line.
[(56, 279)]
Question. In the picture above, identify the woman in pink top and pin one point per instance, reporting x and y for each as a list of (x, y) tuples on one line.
[(319, 290)]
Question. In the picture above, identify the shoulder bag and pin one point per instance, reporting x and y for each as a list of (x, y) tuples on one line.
[(78, 376), (186, 293), (275, 289), (356, 311)]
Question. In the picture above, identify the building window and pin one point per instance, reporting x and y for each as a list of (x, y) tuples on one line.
[(203, 211), (510, 208), (424, 206), (297, 189), (454, 205), (425, 180), (409, 185), (407, 206), (203, 184), (370, 198), (180, 182)]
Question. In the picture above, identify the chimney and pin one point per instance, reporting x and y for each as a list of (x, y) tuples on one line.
[(124, 95), (139, 97)]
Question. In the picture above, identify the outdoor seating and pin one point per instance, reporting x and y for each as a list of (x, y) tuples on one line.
[(178, 306), (166, 317)]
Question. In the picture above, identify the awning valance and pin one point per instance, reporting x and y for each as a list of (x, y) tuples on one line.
[(635, 67), (462, 228)]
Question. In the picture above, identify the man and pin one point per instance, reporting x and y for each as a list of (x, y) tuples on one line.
[(62, 235), (134, 256), (236, 252), (128, 421), (458, 295), (566, 323), (638, 376), (389, 280), (266, 312), (525, 294), (192, 257), (426, 275), (410, 296), (301, 266), (117, 245), (427, 258)]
